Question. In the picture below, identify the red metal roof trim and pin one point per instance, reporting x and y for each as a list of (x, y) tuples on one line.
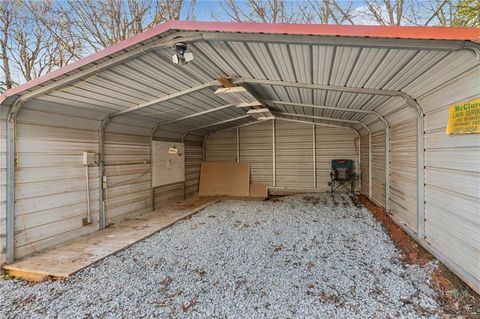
[(389, 32)]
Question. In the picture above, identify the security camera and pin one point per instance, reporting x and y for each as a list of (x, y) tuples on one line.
[(181, 56)]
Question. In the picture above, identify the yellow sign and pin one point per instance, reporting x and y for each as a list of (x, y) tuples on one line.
[(464, 118)]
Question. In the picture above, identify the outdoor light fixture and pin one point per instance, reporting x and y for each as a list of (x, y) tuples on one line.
[(181, 56)]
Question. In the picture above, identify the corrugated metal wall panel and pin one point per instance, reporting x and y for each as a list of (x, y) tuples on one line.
[(294, 155), (452, 178), (3, 183), (364, 158), (256, 146), (403, 173), (221, 147), (378, 168), (193, 159), (50, 193), (127, 167), (167, 193), (332, 143)]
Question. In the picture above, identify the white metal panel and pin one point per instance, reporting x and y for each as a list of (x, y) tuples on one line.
[(51, 197), (256, 147), (364, 158), (378, 168), (168, 163), (222, 147), (294, 155), (3, 183), (193, 160), (173, 192), (127, 168), (452, 177), (403, 173)]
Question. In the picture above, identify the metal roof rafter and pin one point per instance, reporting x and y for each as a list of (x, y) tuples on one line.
[(343, 109), (215, 124), (167, 97), (313, 117), (154, 130)]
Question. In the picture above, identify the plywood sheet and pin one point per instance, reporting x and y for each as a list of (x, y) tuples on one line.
[(225, 178), (258, 190)]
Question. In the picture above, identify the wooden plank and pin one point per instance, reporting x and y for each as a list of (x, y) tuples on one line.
[(66, 260), (258, 190)]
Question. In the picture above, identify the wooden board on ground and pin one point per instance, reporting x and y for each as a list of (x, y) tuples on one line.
[(66, 260), (225, 178), (258, 190)]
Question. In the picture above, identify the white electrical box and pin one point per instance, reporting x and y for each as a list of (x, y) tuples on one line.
[(89, 158), (168, 163)]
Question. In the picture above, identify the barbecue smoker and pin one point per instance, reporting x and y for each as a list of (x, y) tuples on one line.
[(342, 175)]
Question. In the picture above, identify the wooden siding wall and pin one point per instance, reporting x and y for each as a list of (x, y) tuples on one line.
[(294, 151)]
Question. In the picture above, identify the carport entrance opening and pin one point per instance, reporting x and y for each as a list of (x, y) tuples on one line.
[(286, 98)]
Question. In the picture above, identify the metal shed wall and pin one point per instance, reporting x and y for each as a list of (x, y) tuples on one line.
[(403, 173), (256, 145), (51, 198), (378, 168), (50, 191), (452, 190), (127, 167), (294, 155), (3, 184), (294, 151), (221, 147), (364, 158)]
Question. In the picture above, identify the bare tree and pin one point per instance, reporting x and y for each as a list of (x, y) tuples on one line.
[(6, 20), (266, 11), (327, 12), (384, 12), (103, 23), (34, 49)]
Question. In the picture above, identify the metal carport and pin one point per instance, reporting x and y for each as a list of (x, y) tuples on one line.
[(382, 82)]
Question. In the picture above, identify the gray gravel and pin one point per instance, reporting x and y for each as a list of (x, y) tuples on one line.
[(295, 257)]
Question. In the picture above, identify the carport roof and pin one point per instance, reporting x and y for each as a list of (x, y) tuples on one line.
[(333, 74), (361, 31)]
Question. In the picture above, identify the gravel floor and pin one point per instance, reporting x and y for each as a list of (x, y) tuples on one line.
[(294, 257)]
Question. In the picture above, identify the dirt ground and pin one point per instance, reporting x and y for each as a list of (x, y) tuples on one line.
[(459, 300)]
